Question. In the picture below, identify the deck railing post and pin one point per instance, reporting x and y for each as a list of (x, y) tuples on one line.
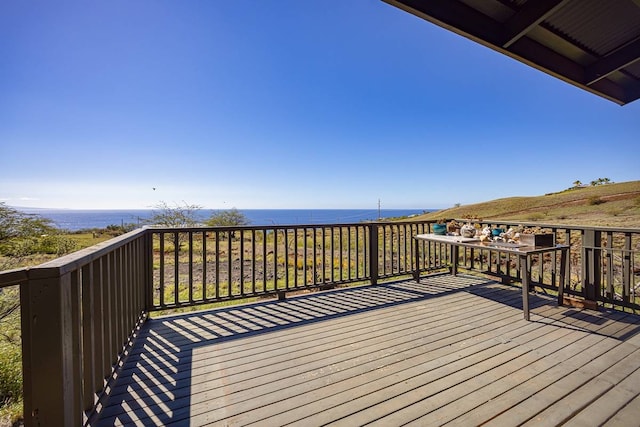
[(591, 261), (373, 253), (148, 270), (51, 377)]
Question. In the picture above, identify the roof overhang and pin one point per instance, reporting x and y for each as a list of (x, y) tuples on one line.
[(592, 44)]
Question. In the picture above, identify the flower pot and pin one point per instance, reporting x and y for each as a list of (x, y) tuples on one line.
[(439, 229)]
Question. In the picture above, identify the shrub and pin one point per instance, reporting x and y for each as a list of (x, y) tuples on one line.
[(10, 373), (58, 245), (595, 200), (537, 216)]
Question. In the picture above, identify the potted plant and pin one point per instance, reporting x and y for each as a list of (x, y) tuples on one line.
[(439, 227)]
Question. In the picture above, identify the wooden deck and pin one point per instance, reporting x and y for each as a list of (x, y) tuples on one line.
[(450, 350)]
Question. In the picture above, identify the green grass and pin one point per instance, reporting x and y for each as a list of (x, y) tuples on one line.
[(10, 382)]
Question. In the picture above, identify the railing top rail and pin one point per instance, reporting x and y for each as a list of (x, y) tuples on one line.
[(83, 257), (162, 229), (13, 277)]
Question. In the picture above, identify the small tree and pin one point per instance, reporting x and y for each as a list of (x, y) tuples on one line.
[(176, 216), (577, 183), (16, 225), (184, 215), (24, 234), (601, 181), (227, 218)]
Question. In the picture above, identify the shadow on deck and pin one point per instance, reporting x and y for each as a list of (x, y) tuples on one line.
[(448, 350)]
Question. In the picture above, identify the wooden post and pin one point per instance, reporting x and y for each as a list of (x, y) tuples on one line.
[(563, 279), (373, 253), (148, 269), (591, 259), (51, 376), (454, 259), (416, 253), (526, 279)]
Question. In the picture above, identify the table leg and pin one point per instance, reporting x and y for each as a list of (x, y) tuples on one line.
[(454, 261), (416, 270), (563, 275), (524, 272)]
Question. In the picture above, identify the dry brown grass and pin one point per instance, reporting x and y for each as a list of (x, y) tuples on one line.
[(612, 205)]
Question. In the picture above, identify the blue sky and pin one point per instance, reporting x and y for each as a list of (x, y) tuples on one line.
[(283, 104)]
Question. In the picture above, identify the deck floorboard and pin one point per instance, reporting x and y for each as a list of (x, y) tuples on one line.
[(450, 350)]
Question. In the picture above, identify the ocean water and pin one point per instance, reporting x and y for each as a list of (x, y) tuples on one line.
[(85, 219)]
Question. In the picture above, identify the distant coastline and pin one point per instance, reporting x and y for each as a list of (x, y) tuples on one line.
[(80, 219)]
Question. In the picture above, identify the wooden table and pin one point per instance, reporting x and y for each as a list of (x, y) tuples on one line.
[(523, 252)]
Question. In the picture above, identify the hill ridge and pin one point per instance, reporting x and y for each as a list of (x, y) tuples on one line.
[(614, 204)]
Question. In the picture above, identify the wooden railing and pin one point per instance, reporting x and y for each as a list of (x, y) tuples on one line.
[(203, 265), (80, 312)]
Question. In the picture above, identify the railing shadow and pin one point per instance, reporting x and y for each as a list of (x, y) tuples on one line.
[(610, 323), (172, 359), (155, 383)]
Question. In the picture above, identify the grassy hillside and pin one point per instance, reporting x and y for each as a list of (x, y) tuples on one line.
[(615, 205)]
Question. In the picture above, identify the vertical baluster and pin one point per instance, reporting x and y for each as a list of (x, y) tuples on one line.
[(635, 260), (107, 295), (401, 254), (274, 261), (161, 235), (149, 280), (242, 292), (295, 257), (305, 248), (204, 266), (407, 252), (315, 255), (349, 271), (285, 235), (253, 261), (98, 324), (82, 391), (324, 254), (176, 268), (331, 252), (217, 236), (389, 230), (190, 278), (609, 291), (117, 280), (340, 258), (384, 249), (129, 288), (229, 263), (627, 269), (264, 259), (113, 304), (85, 277), (358, 229), (393, 249)]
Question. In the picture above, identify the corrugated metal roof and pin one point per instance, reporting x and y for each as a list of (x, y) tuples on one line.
[(599, 26), (592, 44)]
